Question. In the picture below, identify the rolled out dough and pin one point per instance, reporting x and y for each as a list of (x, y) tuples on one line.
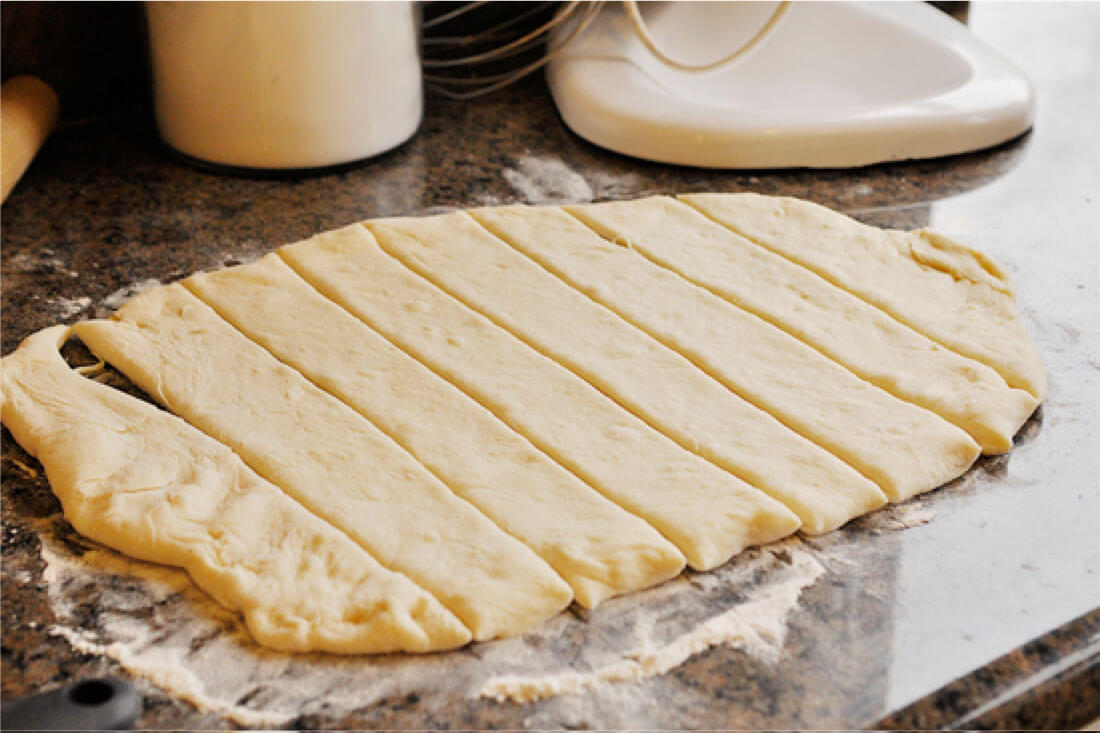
[(148, 484), (328, 457), (654, 382), (598, 548), (707, 513), (905, 449), (898, 359), (410, 433)]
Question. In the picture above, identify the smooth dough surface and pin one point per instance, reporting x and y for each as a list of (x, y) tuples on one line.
[(597, 547), (654, 382), (328, 457), (905, 449), (146, 483), (898, 359), (950, 293), (707, 513)]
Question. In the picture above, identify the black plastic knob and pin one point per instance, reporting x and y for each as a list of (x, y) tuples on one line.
[(96, 704)]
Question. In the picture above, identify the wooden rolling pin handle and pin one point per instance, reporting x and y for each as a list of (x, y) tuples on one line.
[(28, 112)]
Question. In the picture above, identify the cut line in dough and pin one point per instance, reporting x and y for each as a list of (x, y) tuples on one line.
[(861, 337), (905, 449), (461, 257), (950, 293), (412, 433), (707, 513), (328, 457), (597, 547)]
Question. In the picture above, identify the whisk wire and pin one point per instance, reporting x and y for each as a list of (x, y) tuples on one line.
[(497, 81), (503, 51), (474, 84)]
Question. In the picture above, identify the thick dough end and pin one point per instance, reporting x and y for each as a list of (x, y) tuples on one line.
[(147, 484), (950, 293)]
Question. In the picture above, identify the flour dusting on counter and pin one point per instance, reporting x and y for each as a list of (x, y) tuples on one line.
[(167, 634), (43, 261), (757, 626), (544, 179), (547, 180), (114, 300), (66, 308), (141, 642), (913, 513)]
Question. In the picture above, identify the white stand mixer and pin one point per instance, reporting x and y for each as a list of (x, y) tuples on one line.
[(833, 84)]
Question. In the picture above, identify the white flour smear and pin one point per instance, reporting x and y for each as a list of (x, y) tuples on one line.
[(549, 180), (66, 308), (757, 626), (114, 300), (165, 632), (42, 261), (898, 516), (141, 627)]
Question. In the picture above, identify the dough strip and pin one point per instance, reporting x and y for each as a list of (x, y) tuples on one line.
[(657, 384), (597, 547), (147, 484), (707, 513), (904, 448), (329, 458), (950, 293), (848, 330)]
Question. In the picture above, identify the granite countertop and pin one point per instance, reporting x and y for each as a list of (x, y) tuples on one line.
[(975, 606)]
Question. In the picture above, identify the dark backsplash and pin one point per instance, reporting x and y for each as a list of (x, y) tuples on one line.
[(91, 53)]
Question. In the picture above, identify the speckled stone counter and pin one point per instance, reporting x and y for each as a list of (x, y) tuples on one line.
[(980, 614)]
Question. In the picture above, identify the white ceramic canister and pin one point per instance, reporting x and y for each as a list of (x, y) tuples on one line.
[(284, 85)]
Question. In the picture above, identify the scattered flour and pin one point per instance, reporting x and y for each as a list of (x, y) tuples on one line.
[(114, 300), (132, 646), (898, 516), (486, 200), (617, 185), (22, 262), (66, 308), (549, 180), (757, 626), (167, 674), (162, 630), (44, 261)]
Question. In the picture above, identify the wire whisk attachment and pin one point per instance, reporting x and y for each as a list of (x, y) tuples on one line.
[(506, 49), (506, 45)]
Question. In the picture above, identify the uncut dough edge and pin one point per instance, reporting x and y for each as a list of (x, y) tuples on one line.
[(899, 359), (961, 291), (349, 473), (337, 263), (657, 384), (599, 548), (120, 466), (905, 449)]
